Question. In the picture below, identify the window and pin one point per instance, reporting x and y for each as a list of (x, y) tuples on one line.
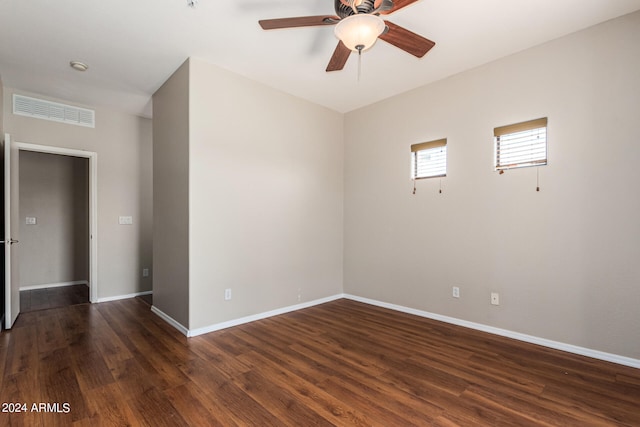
[(521, 144), (429, 159)]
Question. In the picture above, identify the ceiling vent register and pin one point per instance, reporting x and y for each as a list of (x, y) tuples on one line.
[(41, 109)]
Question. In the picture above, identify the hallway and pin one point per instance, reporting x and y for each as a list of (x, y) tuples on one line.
[(42, 299)]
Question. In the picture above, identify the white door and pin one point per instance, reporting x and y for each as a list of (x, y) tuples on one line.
[(11, 228)]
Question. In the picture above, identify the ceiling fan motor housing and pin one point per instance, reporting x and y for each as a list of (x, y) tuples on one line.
[(342, 10)]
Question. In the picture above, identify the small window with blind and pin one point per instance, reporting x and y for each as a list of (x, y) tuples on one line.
[(429, 159), (521, 144)]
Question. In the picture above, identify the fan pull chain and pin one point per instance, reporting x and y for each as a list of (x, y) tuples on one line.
[(359, 63)]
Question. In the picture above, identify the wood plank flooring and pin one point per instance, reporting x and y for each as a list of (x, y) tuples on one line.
[(42, 299), (342, 363)]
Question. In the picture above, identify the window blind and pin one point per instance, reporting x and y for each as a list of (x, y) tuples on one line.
[(429, 159), (521, 144)]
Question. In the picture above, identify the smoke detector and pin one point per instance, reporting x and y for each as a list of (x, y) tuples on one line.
[(78, 66)]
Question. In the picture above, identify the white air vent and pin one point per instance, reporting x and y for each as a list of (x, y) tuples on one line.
[(41, 109)]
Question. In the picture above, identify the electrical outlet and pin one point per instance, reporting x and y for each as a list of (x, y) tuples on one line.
[(145, 272), (299, 295), (456, 292), (495, 298), (227, 294)]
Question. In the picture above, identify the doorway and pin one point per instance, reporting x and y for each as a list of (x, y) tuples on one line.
[(75, 279), (54, 230)]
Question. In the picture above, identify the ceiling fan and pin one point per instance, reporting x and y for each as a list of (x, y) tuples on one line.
[(358, 26)]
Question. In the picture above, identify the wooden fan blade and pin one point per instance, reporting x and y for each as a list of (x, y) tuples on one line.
[(339, 57), (397, 5), (302, 21), (406, 40)]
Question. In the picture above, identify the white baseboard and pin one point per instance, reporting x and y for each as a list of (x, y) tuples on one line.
[(119, 297), (54, 285), (170, 320), (235, 322), (259, 316), (570, 348), (596, 354)]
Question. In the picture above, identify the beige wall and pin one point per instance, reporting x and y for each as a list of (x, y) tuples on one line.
[(171, 196), (55, 190), (565, 259), (2, 288), (1, 109), (123, 143), (266, 197), (263, 196)]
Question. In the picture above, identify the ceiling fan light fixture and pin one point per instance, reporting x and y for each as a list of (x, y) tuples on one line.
[(359, 32)]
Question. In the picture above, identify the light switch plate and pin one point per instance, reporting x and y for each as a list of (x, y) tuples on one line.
[(125, 220), (30, 220)]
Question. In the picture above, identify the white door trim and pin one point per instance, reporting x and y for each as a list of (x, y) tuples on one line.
[(93, 204), (12, 293)]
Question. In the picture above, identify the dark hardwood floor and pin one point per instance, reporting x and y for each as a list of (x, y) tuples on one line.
[(341, 363), (42, 299)]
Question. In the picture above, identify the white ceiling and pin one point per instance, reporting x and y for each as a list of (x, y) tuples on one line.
[(132, 47)]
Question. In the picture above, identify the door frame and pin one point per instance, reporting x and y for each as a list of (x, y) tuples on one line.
[(93, 204)]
